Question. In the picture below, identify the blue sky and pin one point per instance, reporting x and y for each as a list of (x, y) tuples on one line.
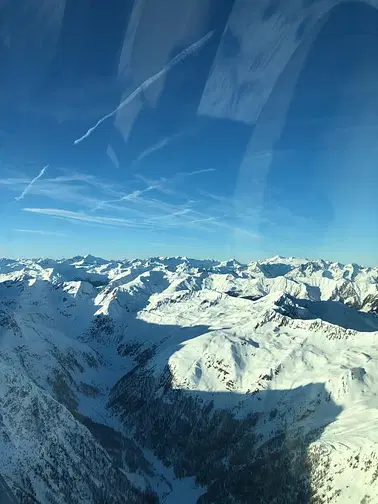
[(157, 178), (66, 212)]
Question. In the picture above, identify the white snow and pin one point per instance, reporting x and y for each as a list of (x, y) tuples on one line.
[(290, 327)]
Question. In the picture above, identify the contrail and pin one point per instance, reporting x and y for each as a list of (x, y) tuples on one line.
[(153, 148), (27, 189), (147, 83), (157, 146)]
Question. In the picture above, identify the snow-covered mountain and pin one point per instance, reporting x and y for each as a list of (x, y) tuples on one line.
[(167, 379)]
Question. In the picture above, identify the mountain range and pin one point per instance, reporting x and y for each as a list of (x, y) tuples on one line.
[(167, 380)]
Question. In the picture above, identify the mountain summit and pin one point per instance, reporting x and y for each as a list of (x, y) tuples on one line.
[(163, 379)]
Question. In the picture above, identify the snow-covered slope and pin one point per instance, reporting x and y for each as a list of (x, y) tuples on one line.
[(258, 380)]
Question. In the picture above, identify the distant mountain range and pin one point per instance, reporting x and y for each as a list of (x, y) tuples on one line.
[(169, 380)]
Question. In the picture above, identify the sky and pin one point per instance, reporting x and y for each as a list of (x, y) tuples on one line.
[(105, 148)]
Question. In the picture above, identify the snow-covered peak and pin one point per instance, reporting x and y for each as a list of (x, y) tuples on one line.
[(88, 260), (278, 347)]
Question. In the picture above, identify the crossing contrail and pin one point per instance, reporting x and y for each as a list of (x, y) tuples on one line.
[(29, 186), (147, 83)]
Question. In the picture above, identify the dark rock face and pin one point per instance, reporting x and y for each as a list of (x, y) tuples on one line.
[(61, 460), (371, 303)]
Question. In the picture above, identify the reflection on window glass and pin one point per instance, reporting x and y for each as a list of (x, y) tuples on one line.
[(188, 272)]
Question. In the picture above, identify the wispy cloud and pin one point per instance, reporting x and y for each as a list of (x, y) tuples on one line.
[(132, 196), (147, 83), (90, 180), (195, 172), (153, 148), (163, 185), (148, 222), (94, 193), (82, 216), (71, 187), (30, 185), (170, 217), (156, 147), (164, 204), (169, 185), (39, 232)]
